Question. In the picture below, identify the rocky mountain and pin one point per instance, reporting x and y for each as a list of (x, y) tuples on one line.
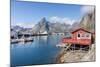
[(75, 25), (59, 27), (16, 28), (41, 26), (44, 25), (88, 21), (13, 33)]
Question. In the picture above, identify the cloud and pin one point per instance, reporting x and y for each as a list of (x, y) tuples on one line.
[(61, 20), (25, 25), (87, 9)]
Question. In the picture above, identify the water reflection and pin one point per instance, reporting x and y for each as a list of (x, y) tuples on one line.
[(41, 51)]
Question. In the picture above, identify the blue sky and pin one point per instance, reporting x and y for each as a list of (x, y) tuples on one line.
[(32, 12)]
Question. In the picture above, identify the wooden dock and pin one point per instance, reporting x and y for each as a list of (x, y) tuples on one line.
[(30, 39)]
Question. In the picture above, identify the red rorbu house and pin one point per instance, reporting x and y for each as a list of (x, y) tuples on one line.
[(79, 36)]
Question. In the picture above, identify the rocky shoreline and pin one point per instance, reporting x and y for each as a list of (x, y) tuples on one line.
[(76, 56), (61, 54)]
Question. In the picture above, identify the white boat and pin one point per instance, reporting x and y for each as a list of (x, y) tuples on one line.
[(61, 45)]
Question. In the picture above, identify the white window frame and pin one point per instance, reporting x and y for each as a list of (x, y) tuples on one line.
[(89, 35), (78, 37), (85, 36)]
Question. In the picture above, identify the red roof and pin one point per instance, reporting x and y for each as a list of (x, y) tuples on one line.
[(81, 29)]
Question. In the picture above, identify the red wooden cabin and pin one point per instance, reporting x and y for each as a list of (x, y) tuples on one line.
[(79, 36)]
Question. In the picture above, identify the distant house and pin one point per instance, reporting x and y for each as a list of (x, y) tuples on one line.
[(79, 36), (67, 34), (57, 33)]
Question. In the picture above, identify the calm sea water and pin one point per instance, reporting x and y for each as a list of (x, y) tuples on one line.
[(42, 50)]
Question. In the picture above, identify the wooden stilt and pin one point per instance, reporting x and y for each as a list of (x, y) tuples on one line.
[(74, 47), (89, 47), (68, 46), (80, 47)]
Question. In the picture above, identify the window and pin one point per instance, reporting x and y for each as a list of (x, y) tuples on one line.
[(78, 35), (87, 35), (82, 35)]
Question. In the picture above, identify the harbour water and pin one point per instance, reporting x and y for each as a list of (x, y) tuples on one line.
[(42, 50)]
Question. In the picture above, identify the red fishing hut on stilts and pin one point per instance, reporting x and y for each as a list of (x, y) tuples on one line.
[(79, 37)]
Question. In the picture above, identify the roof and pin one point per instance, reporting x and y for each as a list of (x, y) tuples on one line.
[(81, 29)]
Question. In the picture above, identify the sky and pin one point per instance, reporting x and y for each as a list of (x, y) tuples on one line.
[(29, 13)]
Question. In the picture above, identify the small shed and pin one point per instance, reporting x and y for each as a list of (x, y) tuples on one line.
[(79, 36)]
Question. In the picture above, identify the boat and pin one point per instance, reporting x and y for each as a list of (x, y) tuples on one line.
[(61, 45)]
